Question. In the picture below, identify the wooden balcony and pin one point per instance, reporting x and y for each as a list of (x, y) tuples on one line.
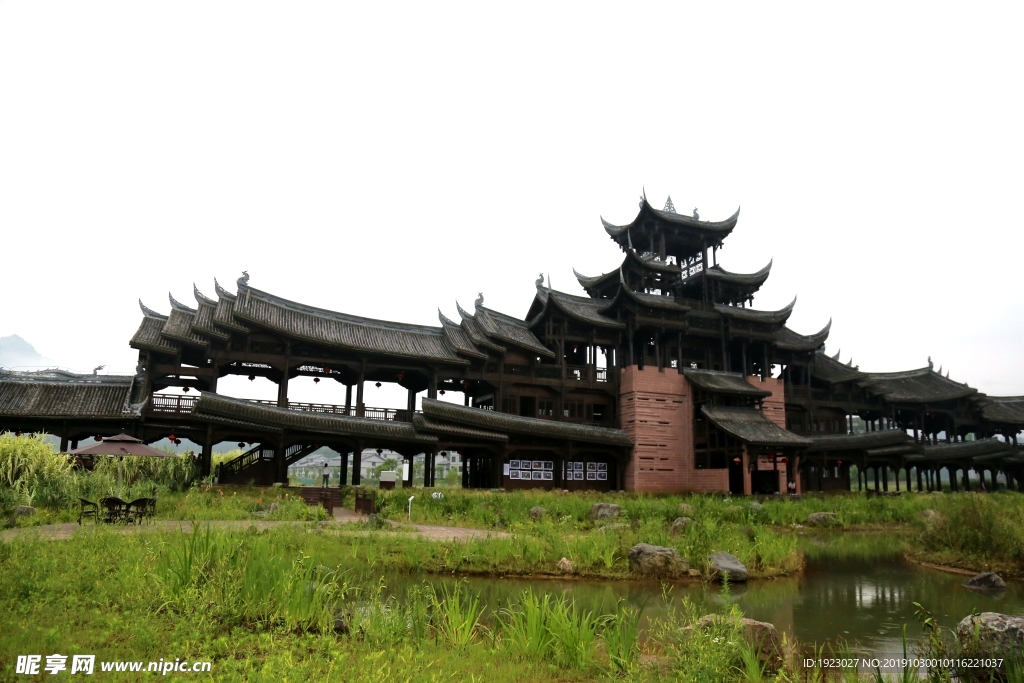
[(166, 404)]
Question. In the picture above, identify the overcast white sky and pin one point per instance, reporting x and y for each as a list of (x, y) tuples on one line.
[(387, 159)]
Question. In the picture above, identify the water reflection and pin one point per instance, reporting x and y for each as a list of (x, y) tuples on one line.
[(856, 588)]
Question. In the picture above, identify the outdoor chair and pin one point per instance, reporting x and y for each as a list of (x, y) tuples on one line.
[(116, 510), (141, 509), (88, 509)]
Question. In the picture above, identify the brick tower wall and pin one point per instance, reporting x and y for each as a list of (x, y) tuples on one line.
[(657, 412), (774, 408)]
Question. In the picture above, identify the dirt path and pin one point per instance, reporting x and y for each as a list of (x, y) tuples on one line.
[(61, 532)]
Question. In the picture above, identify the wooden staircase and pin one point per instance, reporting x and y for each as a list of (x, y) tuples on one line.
[(256, 465)]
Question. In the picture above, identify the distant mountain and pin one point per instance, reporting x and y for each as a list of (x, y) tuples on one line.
[(18, 354)]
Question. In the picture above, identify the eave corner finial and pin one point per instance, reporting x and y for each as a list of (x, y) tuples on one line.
[(696, 216), (479, 300), (540, 281), (930, 364)]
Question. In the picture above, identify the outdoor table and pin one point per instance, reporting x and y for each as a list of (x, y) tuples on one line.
[(116, 510)]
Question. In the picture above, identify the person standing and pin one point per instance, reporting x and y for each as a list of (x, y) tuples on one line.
[(327, 475)]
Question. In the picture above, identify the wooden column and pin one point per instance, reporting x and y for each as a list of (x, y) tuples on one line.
[(428, 469), (410, 403), (343, 469), (679, 353), (348, 399), (877, 487), (280, 466), (357, 463), (658, 348), (359, 393), (206, 456), (407, 482), (282, 390), (432, 387)]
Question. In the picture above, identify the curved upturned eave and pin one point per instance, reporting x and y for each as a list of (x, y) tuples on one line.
[(223, 293), (675, 219), (607, 323), (150, 313), (758, 278), (795, 341), (779, 316), (178, 306), (200, 297)]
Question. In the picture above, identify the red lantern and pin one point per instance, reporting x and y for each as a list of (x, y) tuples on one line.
[(169, 438), (185, 390), (316, 380), (327, 370), (177, 442), (377, 385), (783, 460), (252, 377), (18, 433), (241, 444), (839, 462), (98, 437), (442, 392), (737, 461), (400, 376)]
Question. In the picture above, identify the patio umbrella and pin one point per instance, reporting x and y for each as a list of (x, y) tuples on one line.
[(120, 446)]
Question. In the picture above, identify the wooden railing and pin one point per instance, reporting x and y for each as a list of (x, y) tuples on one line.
[(185, 405)]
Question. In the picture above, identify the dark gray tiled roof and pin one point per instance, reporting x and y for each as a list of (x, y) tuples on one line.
[(1004, 409), (476, 334), (789, 340), (59, 394), (588, 281), (829, 369), (331, 328), (300, 420), (779, 316), (720, 382), (459, 340), (914, 386), (148, 337), (178, 327), (529, 426), (203, 322), (425, 424), (507, 329), (674, 219), (748, 279), (752, 427), (968, 449), (860, 442), (581, 308)]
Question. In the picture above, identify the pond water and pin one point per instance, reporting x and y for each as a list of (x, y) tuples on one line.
[(855, 588)]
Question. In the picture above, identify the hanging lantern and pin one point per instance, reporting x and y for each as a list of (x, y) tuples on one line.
[(783, 460), (377, 385), (379, 451), (18, 433), (252, 377), (465, 383), (327, 370), (241, 444), (737, 460), (177, 442), (98, 437), (442, 392), (169, 438), (185, 389), (250, 443), (400, 376), (316, 380), (839, 462)]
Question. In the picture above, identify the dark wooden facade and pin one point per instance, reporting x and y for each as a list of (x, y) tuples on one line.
[(541, 389)]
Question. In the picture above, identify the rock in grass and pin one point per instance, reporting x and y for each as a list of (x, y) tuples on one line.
[(24, 511), (340, 624), (755, 507), (615, 528), (537, 512), (656, 561), (930, 516), (685, 510), (998, 635), (760, 635), (566, 566), (986, 581), (724, 564), (605, 511), (679, 526), (822, 519)]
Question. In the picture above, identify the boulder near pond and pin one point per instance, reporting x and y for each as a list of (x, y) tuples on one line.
[(601, 511), (726, 564), (656, 561)]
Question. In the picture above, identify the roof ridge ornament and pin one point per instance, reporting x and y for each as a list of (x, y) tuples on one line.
[(479, 303), (696, 216), (930, 365), (243, 281), (178, 306), (669, 206), (540, 281), (150, 313)]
